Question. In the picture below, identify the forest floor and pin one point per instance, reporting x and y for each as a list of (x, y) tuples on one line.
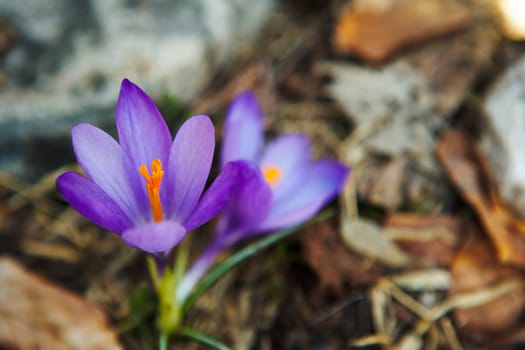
[(419, 252)]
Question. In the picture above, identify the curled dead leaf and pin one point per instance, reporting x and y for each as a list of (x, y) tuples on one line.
[(376, 29), (476, 270), (467, 170), (34, 314), (429, 239), (334, 264)]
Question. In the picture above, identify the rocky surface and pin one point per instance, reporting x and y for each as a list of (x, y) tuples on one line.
[(396, 123), (394, 103), (68, 59), (503, 140)]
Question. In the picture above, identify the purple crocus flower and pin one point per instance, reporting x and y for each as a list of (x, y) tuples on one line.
[(295, 186), (147, 188), (284, 186)]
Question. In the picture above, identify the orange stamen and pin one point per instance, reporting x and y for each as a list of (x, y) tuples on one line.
[(153, 187), (272, 174)]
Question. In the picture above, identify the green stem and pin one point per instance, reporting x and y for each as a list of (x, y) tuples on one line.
[(170, 312), (218, 271), (163, 341), (202, 338), (181, 260)]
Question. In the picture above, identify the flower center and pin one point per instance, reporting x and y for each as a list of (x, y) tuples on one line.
[(153, 186), (272, 174)]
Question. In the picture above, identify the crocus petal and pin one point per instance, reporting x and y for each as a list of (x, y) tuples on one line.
[(290, 153), (217, 196), (189, 165), (143, 133), (104, 162), (155, 237), (248, 208), (243, 129), (320, 184), (92, 202)]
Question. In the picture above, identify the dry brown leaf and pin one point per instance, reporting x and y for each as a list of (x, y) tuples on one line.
[(333, 263), (475, 269), (430, 310), (374, 30), (34, 314), (429, 239), (466, 168), (368, 239), (476, 299)]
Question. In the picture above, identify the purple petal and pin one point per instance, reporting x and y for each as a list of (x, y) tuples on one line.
[(189, 165), (103, 161), (322, 181), (248, 208), (217, 196), (143, 133), (290, 153), (155, 237), (92, 202), (243, 129)]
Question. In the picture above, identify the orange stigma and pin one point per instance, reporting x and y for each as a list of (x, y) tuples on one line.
[(153, 186), (272, 174)]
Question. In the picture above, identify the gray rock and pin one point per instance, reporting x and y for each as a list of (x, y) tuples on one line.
[(393, 103), (71, 56), (503, 138), (396, 125)]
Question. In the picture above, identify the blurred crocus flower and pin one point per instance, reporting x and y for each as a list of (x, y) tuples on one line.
[(287, 189), (147, 188)]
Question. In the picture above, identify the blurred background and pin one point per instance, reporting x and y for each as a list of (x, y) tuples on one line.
[(425, 100)]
